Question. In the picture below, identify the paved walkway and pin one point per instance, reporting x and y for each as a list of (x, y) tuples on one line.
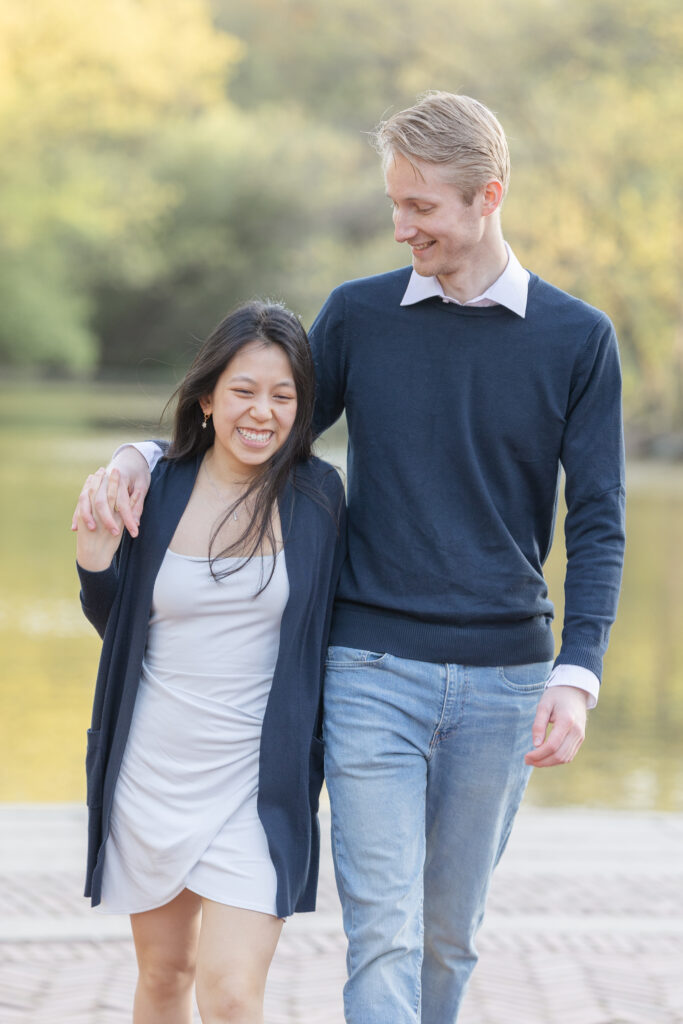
[(585, 926)]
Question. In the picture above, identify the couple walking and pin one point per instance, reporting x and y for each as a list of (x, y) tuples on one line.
[(467, 383)]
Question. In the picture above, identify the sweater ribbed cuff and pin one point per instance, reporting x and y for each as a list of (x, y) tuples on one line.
[(581, 652)]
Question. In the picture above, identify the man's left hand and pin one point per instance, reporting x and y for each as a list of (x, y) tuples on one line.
[(563, 708)]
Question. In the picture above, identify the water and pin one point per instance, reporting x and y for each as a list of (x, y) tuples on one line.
[(52, 436)]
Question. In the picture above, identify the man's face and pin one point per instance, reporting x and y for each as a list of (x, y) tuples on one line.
[(444, 234)]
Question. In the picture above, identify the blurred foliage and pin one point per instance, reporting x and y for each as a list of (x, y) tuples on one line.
[(84, 95), (164, 159)]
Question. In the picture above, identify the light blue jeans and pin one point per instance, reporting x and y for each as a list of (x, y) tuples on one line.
[(425, 770)]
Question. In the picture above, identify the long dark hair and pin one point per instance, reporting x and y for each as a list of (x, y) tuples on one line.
[(272, 324)]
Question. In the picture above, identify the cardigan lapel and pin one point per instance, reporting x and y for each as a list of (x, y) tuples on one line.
[(166, 502), (294, 535), (164, 505)]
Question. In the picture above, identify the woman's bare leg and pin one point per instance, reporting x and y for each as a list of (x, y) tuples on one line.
[(235, 951), (166, 948)]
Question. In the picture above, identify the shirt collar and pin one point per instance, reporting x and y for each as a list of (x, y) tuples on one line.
[(509, 290)]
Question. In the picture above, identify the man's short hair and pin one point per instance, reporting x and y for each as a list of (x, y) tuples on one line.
[(456, 132)]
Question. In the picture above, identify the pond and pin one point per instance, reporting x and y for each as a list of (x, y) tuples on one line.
[(52, 435)]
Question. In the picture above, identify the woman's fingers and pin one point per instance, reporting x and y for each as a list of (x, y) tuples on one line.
[(104, 501), (125, 502), (116, 496), (84, 506), (97, 502)]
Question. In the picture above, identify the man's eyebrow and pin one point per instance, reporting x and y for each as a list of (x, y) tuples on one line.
[(412, 199)]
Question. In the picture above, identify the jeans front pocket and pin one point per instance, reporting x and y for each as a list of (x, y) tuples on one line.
[(352, 657), (526, 678)]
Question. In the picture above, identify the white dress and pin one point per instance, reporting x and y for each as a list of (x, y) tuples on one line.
[(184, 812)]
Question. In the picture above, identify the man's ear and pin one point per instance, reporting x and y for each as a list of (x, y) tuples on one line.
[(492, 197)]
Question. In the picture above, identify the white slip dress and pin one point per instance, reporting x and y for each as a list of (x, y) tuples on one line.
[(184, 810)]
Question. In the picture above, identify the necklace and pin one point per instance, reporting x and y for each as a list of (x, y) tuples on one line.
[(223, 497)]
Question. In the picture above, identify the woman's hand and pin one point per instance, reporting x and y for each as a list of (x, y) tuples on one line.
[(95, 545)]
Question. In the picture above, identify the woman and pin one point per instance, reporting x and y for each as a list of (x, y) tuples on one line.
[(204, 761)]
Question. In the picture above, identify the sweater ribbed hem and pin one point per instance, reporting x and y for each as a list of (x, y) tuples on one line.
[(383, 632)]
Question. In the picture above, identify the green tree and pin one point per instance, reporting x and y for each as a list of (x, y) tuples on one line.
[(591, 95), (158, 166), (81, 89)]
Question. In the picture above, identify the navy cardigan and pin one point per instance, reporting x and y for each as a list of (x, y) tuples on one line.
[(117, 601)]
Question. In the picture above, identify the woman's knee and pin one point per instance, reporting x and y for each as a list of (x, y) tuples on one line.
[(235, 949), (166, 977), (229, 1000), (166, 947)]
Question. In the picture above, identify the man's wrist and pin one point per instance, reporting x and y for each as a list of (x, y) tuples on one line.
[(149, 450), (578, 677)]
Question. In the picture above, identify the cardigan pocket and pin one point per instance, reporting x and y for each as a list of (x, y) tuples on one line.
[(93, 769)]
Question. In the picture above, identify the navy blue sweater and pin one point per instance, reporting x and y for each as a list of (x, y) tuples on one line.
[(459, 419), (117, 602)]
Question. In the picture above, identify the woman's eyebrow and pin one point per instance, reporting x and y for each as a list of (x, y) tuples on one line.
[(250, 380)]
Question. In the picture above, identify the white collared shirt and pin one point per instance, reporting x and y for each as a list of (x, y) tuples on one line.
[(509, 290)]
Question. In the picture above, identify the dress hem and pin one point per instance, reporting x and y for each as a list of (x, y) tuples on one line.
[(102, 909)]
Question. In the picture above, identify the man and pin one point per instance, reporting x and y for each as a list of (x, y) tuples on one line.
[(467, 382)]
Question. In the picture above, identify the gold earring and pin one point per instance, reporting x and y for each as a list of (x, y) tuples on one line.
[(206, 420)]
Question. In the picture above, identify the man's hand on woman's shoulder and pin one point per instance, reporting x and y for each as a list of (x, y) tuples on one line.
[(118, 497)]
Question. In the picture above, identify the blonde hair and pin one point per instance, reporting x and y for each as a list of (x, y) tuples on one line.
[(454, 131)]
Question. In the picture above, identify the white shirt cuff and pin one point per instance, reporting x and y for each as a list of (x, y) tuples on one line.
[(150, 451), (581, 678)]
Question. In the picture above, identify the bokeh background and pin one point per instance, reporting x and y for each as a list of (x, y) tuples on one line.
[(165, 159)]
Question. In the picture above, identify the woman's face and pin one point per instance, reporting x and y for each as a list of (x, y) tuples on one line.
[(253, 408)]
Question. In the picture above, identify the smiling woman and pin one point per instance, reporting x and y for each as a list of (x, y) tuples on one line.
[(246, 405), (253, 408), (204, 759)]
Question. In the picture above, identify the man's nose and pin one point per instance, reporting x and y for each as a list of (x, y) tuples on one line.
[(404, 228)]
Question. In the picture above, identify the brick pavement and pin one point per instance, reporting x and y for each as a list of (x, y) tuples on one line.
[(585, 926)]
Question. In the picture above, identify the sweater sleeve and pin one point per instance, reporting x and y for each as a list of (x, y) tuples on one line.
[(98, 590), (593, 460), (327, 344), (337, 496)]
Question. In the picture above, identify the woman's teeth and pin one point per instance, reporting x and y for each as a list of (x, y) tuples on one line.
[(255, 435)]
